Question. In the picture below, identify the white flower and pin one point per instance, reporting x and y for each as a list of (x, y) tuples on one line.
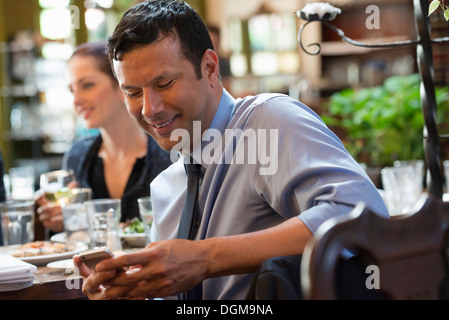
[(318, 11)]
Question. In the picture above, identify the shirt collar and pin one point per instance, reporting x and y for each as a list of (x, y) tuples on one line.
[(224, 112), (220, 122)]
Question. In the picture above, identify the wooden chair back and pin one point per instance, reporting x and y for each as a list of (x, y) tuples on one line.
[(409, 254)]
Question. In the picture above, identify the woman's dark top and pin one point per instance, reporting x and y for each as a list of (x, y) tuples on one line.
[(83, 159)]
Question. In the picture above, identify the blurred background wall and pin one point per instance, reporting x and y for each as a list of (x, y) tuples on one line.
[(257, 37)]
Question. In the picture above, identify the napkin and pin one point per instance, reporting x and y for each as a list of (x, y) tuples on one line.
[(15, 274)]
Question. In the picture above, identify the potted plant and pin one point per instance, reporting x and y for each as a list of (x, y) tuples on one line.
[(383, 124)]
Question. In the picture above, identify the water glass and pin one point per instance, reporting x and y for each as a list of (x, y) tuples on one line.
[(146, 214), (75, 215), (22, 183), (97, 217), (418, 172), (403, 186), (17, 222)]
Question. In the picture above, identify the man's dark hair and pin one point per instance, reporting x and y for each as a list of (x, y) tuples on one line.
[(154, 20)]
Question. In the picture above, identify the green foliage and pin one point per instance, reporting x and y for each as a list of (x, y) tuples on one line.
[(435, 4), (384, 124)]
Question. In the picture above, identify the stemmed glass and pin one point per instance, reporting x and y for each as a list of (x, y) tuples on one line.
[(56, 185)]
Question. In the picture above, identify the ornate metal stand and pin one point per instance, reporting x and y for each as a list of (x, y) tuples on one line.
[(428, 100)]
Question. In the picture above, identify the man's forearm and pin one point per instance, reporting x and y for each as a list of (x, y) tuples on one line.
[(244, 253)]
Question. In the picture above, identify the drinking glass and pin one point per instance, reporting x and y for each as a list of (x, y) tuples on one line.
[(403, 185), (146, 214), (56, 184), (17, 222), (417, 175), (22, 183), (75, 215), (97, 217)]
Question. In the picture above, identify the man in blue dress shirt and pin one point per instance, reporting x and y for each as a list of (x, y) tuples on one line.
[(272, 171)]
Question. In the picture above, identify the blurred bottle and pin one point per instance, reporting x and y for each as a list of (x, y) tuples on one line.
[(114, 243)]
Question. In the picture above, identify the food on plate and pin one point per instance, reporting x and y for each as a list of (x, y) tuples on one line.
[(135, 226), (41, 248)]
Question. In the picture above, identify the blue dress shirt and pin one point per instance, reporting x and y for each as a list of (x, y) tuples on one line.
[(282, 162)]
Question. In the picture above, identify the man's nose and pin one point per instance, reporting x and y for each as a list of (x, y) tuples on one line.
[(152, 103)]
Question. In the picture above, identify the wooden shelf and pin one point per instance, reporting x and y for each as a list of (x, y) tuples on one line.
[(340, 48)]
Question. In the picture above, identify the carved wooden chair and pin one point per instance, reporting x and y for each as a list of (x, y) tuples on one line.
[(409, 254)]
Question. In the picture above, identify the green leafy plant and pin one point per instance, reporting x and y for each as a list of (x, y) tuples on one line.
[(382, 124), (435, 4)]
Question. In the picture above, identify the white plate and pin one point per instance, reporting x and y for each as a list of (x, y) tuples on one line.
[(66, 265), (43, 260)]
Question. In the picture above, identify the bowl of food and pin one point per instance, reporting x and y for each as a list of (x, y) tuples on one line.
[(134, 233)]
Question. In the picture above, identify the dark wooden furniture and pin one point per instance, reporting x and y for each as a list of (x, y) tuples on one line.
[(408, 255)]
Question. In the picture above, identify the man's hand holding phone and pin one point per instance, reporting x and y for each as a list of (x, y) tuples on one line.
[(91, 257), (96, 284)]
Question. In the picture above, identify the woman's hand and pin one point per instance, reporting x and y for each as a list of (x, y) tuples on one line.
[(50, 214)]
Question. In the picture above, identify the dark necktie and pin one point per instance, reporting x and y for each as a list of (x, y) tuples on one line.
[(189, 223), (190, 219)]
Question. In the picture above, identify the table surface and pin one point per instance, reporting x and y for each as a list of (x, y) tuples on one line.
[(53, 284), (49, 284)]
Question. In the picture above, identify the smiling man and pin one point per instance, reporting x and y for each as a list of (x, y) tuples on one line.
[(163, 94), (169, 73)]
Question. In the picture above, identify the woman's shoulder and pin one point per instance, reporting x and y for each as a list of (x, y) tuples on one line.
[(83, 144), (81, 147)]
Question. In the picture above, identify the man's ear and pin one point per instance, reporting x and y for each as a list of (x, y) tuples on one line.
[(210, 67)]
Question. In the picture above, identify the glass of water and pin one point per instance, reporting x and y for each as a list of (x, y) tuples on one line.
[(75, 215), (22, 183), (97, 216), (146, 214), (17, 222)]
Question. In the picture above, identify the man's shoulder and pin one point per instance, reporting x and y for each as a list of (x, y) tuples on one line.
[(260, 99), (268, 101), (272, 107)]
